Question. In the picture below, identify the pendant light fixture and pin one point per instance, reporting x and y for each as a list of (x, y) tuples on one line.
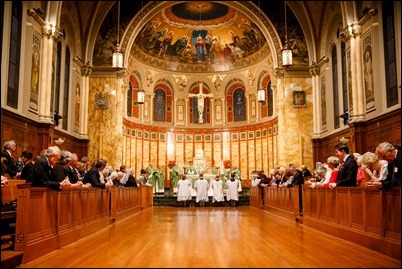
[(117, 60), (287, 56), (141, 92), (260, 91)]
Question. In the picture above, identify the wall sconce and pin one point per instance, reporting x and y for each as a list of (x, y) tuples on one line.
[(344, 139), (59, 141), (140, 96), (261, 95)]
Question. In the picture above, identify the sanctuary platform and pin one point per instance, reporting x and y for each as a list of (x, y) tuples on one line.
[(170, 199)]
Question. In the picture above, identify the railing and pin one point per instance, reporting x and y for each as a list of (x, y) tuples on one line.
[(48, 219), (370, 218)]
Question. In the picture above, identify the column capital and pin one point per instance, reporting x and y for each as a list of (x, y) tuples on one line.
[(86, 70)]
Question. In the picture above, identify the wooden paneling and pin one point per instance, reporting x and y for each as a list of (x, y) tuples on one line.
[(370, 218), (48, 219)]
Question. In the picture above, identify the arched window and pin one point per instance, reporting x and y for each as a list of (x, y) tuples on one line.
[(129, 102), (270, 98), (391, 80), (335, 87), (14, 59), (345, 95), (239, 105), (56, 92), (160, 105), (66, 95)]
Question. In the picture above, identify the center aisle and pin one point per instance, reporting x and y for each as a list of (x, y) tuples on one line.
[(224, 237)]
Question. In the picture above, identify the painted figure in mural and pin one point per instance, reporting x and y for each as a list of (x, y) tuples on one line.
[(368, 74), (35, 72), (200, 48)]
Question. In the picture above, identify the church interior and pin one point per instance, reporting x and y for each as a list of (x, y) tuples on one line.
[(215, 85), (257, 110)]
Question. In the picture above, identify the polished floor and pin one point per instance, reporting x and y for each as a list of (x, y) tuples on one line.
[(210, 237)]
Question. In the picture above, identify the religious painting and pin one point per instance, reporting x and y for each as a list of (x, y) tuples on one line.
[(35, 73), (258, 134), (368, 73), (153, 136), (299, 98), (250, 135), (234, 137), (264, 132), (207, 138), (167, 38), (269, 131), (162, 137), (139, 134), (146, 135), (77, 110), (133, 133), (275, 129), (189, 138), (217, 137)]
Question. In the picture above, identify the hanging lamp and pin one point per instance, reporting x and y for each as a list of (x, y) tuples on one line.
[(287, 56), (117, 58)]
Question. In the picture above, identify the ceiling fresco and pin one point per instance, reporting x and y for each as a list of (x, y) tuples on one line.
[(196, 36), (200, 36)]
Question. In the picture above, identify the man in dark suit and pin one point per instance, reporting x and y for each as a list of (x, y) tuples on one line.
[(348, 171), (93, 176), (9, 148), (42, 173), (386, 151), (297, 179)]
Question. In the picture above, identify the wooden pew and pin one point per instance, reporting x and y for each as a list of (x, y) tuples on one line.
[(369, 218), (9, 192)]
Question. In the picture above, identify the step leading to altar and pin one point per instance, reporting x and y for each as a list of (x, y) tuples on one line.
[(170, 199)]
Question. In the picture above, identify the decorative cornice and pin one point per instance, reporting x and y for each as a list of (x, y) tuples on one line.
[(36, 16)]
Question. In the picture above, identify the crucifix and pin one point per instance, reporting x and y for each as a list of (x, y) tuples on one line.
[(200, 101)]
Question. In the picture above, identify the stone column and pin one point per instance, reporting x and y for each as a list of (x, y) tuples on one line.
[(45, 80), (86, 71), (317, 120), (358, 100)]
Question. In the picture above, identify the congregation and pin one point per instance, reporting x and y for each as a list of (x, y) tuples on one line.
[(60, 169), (373, 170)]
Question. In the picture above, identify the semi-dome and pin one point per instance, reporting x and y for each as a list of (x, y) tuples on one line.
[(199, 36)]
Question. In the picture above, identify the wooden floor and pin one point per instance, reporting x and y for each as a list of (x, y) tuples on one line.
[(172, 237)]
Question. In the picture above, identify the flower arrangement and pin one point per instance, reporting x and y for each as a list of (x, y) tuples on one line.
[(227, 164), (171, 164)]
